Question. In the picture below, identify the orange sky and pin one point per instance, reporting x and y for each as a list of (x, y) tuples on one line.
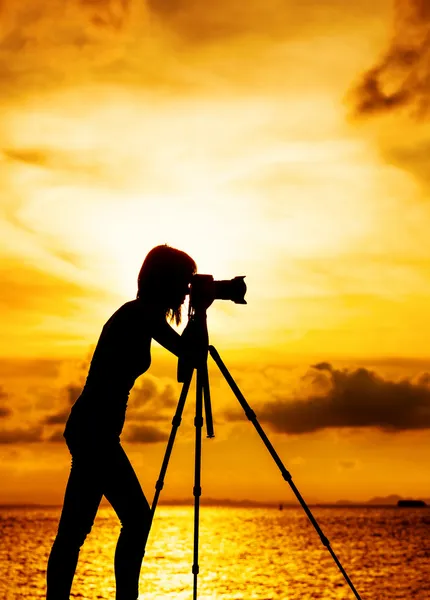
[(284, 141)]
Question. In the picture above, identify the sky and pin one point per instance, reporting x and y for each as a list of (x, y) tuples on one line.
[(285, 141)]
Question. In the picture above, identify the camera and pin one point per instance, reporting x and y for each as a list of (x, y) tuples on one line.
[(204, 290)]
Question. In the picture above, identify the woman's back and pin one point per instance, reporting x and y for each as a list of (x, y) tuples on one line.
[(122, 354)]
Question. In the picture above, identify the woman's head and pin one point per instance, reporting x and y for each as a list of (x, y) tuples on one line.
[(164, 279)]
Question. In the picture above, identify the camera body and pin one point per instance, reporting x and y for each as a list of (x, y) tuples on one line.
[(204, 290)]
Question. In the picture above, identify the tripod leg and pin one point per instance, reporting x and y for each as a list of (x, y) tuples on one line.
[(285, 474), (176, 421), (207, 401), (197, 490)]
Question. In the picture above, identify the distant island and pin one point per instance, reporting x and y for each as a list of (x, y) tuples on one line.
[(412, 503), (400, 501), (392, 500)]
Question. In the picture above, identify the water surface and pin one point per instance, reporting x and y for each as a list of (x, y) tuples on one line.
[(252, 554)]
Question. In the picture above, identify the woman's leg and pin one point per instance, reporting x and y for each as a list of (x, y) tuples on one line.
[(82, 498), (122, 489)]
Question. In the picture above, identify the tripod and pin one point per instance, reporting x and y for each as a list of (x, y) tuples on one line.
[(186, 366)]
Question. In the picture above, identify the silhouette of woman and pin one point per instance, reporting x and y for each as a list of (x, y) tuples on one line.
[(100, 466)]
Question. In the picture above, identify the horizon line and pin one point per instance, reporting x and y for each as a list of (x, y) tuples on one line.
[(388, 501)]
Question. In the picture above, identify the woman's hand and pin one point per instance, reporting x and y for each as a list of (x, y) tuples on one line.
[(194, 346)]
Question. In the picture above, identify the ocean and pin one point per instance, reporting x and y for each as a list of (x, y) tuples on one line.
[(245, 554)]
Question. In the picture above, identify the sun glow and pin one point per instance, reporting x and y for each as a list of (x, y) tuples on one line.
[(106, 180), (109, 175)]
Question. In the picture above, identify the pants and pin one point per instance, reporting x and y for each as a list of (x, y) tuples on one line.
[(98, 471)]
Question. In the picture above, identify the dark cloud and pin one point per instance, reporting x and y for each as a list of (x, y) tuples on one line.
[(205, 22), (144, 434), (56, 437), (111, 14), (148, 390), (351, 399), (411, 157), (150, 398), (43, 368), (401, 78), (17, 436), (347, 464), (322, 366), (70, 393), (83, 166), (4, 410), (148, 402), (58, 418), (168, 398), (73, 392), (29, 156), (208, 22)]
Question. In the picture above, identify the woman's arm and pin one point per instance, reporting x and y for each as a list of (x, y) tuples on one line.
[(193, 340), (165, 335)]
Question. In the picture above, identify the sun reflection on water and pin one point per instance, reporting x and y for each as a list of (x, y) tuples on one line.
[(261, 554)]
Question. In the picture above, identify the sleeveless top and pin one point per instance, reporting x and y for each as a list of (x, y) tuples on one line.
[(122, 354)]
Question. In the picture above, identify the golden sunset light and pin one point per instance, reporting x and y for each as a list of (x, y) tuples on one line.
[(256, 138)]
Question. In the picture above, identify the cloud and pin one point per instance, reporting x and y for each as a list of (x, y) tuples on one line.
[(411, 156), (199, 22), (150, 402), (56, 437), (54, 43), (150, 398), (67, 395), (83, 166), (147, 391), (29, 156), (17, 436), (26, 287), (401, 78), (144, 434), (58, 418), (351, 399), (348, 464), (110, 14), (42, 398), (73, 392), (179, 44), (4, 410), (40, 297), (41, 368)]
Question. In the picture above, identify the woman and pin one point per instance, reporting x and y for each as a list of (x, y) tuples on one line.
[(100, 466)]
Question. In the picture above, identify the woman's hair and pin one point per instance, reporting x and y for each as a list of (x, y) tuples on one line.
[(163, 266)]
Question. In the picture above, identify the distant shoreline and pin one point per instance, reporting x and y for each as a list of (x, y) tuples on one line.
[(225, 503)]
